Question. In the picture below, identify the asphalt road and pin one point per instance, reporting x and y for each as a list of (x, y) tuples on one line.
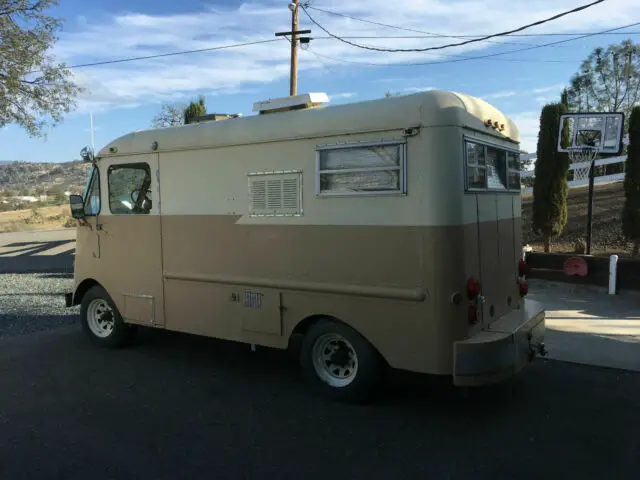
[(45, 251), (176, 406)]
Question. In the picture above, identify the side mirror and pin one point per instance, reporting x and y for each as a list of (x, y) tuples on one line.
[(87, 154), (77, 206)]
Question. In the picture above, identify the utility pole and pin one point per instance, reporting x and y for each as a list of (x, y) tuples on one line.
[(293, 76), (93, 146)]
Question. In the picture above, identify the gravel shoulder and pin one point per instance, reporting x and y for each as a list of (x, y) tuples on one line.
[(34, 302)]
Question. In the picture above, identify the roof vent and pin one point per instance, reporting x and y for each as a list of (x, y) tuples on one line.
[(298, 102), (214, 117)]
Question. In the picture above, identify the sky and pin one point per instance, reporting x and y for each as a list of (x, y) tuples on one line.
[(124, 97)]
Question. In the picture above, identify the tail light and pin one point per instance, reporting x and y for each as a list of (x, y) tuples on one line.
[(474, 293), (473, 288), (524, 288), (523, 268), (474, 314)]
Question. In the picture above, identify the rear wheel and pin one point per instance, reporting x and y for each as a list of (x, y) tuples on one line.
[(339, 363), (102, 321)]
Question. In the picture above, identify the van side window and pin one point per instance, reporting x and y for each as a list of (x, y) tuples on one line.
[(361, 168), (130, 189), (92, 194)]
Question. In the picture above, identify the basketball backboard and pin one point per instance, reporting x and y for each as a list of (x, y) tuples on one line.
[(592, 129)]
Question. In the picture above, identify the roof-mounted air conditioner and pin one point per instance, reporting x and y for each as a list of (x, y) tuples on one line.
[(297, 102)]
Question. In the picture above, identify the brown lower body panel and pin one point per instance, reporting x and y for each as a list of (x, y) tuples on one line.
[(257, 283)]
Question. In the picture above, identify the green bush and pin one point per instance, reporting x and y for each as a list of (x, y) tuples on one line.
[(551, 171)]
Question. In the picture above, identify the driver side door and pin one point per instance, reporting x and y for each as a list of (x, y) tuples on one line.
[(129, 232)]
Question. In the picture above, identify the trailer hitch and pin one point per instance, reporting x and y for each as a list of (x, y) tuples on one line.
[(537, 349)]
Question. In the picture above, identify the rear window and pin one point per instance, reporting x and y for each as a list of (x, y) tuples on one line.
[(491, 168)]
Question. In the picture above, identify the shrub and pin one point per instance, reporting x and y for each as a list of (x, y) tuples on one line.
[(631, 209), (551, 171)]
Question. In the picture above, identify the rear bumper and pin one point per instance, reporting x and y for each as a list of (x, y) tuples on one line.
[(502, 350)]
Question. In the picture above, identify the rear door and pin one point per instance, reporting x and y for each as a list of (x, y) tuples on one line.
[(492, 213), (129, 232)]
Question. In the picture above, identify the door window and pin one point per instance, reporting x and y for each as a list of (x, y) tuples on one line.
[(130, 189), (92, 194)]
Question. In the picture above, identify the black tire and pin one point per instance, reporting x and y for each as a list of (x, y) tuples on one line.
[(370, 366), (121, 335)]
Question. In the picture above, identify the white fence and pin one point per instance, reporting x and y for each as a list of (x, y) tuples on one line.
[(582, 167)]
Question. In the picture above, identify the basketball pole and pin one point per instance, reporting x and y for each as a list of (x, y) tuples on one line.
[(590, 206)]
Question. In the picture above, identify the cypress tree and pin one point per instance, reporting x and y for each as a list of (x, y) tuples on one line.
[(551, 170), (631, 209)]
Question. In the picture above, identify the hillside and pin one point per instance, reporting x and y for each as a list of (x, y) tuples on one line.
[(607, 237), (26, 178)]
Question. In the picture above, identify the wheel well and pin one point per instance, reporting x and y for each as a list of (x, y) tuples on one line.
[(301, 328), (83, 288)]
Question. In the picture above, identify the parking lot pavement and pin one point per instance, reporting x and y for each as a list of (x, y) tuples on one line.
[(176, 406), (586, 325)]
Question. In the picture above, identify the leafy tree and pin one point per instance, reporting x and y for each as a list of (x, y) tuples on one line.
[(550, 187), (631, 209), (32, 85), (194, 109), (608, 80), (169, 116)]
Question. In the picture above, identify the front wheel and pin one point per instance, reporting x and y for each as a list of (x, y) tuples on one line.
[(102, 321), (340, 363)]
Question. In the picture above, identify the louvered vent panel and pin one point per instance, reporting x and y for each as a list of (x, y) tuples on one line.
[(290, 193), (275, 194), (258, 195)]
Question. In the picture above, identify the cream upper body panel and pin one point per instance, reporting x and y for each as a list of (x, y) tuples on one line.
[(433, 108), (205, 168)]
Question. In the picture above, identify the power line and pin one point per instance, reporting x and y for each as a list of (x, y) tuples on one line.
[(384, 37), (183, 52), (491, 55), (539, 22), (440, 35), (429, 34), (525, 60)]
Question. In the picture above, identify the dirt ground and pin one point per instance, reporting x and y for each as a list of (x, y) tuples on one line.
[(42, 218), (607, 239)]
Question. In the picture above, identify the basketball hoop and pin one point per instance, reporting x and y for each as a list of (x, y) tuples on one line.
[(581, 158)]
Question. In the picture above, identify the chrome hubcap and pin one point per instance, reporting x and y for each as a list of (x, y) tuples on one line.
[(100, 318), (335, 360)]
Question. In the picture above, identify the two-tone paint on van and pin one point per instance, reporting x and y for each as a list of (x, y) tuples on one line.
[(244, 241)]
